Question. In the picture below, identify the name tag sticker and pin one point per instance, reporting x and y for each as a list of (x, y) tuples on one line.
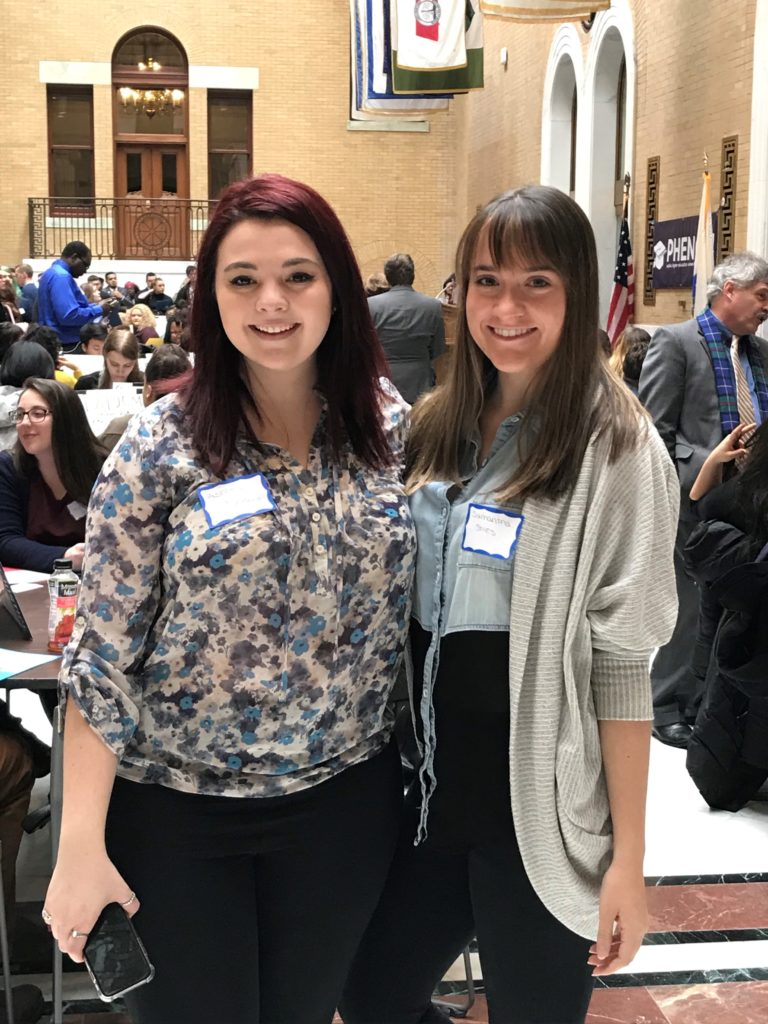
[(491, 531), (240, 498)]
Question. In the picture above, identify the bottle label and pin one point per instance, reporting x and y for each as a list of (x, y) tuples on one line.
[(61, 621)]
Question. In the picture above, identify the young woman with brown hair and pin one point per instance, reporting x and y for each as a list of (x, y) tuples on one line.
[(545, 509)]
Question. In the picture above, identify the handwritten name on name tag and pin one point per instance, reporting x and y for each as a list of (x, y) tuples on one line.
[(240, 498), (491, 531)]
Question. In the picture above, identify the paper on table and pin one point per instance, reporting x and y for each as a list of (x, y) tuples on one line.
[(25, 576), (14, 662), (22, 588)]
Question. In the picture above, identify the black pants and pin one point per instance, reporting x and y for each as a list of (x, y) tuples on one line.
[(252, 909), (677, 692), (534, 968)]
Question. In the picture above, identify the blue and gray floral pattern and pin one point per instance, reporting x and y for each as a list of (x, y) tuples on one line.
[(253, 658)]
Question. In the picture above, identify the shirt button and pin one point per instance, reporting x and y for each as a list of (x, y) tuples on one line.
[(316, 517), (309, 492), (319, 549)]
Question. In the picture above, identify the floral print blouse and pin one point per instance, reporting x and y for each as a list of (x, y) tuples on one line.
[(251, 658)]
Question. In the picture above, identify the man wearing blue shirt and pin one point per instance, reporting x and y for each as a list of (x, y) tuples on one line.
[(61, 303)]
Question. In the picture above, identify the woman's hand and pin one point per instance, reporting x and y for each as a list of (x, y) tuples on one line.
[(732, 445), (83, 883), (623, 919), (75, 555)]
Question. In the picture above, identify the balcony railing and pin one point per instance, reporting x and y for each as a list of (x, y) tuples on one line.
[(131, 228)]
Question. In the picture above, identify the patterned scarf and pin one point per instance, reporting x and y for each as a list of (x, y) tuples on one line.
[(718, 341)]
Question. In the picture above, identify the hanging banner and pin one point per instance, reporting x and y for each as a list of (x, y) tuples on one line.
[(405, 81), (674, 250), (544, 10)]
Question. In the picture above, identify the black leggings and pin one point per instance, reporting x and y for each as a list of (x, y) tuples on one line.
[(252, 909), (535, 969)]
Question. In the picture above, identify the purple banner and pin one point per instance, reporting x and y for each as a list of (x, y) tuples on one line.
[(674, 249)]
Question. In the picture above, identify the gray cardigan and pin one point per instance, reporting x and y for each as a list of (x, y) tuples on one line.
[(593, 595)]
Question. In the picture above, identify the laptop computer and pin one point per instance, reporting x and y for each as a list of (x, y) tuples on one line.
[(13, 625)]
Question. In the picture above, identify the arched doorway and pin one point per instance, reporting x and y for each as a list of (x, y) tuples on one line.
[(560, 114), (150, 78)]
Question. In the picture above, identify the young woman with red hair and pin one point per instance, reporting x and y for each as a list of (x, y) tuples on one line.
[(249, 555)]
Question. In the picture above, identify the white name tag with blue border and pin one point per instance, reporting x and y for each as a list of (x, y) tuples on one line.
[(240, 498), (491, 531)]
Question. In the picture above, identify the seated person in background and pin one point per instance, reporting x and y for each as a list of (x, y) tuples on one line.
[(162, 375), (121, 362), (628, 354), (184, 295), (157, 300), (142, 322), (174, 327), (46, 482), (130, 294), (728, 750), (376, 284), (67, 372), (23, 758), (92, 338), (8, 334), (23, 359), (9, 309)]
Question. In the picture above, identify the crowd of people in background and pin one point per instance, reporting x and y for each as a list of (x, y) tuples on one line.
[(520, 406)]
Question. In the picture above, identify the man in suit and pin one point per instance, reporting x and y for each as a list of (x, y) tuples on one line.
[(699, 380), (410, 328)]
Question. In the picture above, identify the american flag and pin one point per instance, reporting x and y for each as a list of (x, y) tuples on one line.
[(622, 309)]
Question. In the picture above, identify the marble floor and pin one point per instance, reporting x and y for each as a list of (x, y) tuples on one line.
[(704, 961)]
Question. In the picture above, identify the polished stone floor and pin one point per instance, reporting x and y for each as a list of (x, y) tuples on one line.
[(705, 960)]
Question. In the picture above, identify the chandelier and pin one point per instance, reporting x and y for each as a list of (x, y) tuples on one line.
[(150, 101)]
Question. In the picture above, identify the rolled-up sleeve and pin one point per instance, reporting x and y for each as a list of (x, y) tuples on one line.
[(121, 587), (632, 605)]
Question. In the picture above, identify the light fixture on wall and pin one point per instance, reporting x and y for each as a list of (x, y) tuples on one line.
[(150, 101)]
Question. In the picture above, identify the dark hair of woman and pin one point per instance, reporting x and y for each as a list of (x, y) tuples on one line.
[(752, 484), (181, 318), (350, 361), (77, 454), (47, 337), (9, 333), (164, 370), (574, 396), (26, 359), (8, 297), (122, 341)]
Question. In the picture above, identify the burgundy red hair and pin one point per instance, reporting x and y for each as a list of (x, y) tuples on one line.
[(350, 361)]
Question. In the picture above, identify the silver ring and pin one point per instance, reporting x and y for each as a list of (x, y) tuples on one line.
[(75, 934), (129, 901), (46, 916)]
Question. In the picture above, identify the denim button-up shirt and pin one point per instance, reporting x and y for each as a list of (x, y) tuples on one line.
[(457, 589)]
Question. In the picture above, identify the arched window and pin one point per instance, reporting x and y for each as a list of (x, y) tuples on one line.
[(150, 79)]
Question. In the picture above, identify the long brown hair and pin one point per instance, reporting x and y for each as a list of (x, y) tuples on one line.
[(574, 396), (77, 454), (122, 341)]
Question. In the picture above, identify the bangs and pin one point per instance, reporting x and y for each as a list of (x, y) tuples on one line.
[(522, 231)]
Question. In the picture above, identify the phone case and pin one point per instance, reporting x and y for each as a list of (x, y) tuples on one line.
[(112, 921)]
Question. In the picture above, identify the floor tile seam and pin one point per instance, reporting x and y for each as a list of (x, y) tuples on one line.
[(731, 878), (674, 936)]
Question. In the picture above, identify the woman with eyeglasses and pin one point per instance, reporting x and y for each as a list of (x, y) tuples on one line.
[(46, 480)]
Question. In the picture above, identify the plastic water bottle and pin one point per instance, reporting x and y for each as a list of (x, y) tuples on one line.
[(63, 586)]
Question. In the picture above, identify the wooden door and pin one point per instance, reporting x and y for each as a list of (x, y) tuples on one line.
[(152, 208)]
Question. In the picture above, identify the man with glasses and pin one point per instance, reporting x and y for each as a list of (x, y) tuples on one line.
[(61, 304)]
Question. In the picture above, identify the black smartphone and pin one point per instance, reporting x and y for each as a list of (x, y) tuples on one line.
[(114, 317), (114, 955)]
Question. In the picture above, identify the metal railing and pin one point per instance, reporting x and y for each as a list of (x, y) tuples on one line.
[(130, 228)]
